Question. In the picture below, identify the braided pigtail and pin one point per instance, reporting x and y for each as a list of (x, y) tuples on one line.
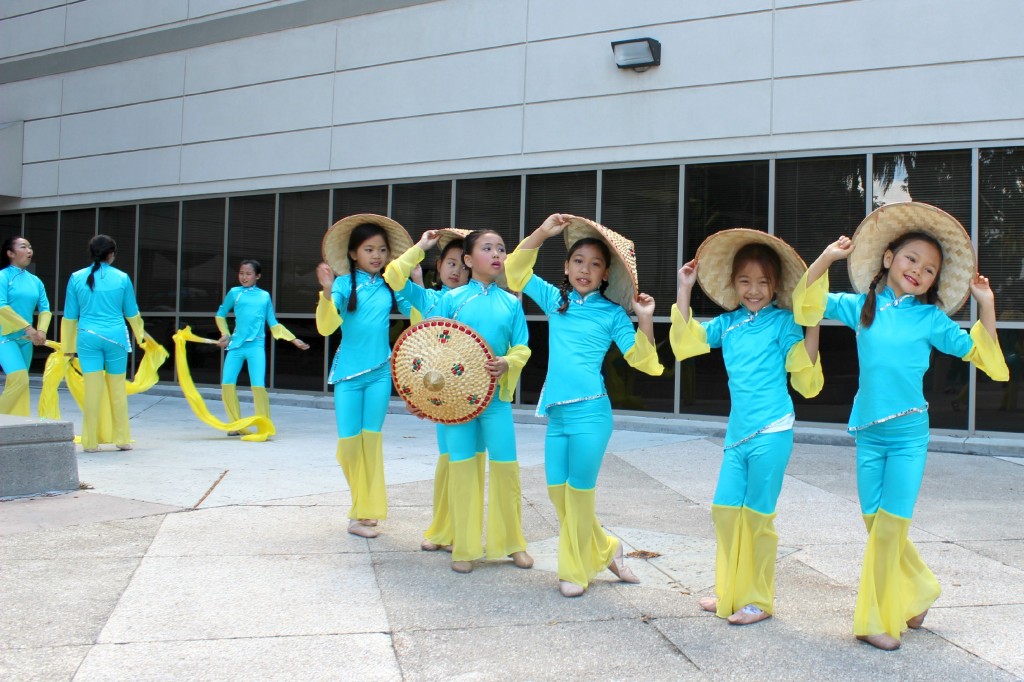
[(563, 290), (100, 248), (867, 313), (352, 296)]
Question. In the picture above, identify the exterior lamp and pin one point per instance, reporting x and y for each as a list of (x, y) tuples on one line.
[(638, 54)]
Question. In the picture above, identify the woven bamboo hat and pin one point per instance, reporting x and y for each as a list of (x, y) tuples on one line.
[(623, 283), (715, 257), (448, 235), (335, 243), (438, 368), (888, 223)]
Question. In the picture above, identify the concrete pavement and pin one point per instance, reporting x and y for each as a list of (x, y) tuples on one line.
[(196, 556)]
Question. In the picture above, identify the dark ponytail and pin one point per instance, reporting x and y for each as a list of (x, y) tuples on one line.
[(867, 313), (360, 233), (100, 248), (566, 285), (9, 244)]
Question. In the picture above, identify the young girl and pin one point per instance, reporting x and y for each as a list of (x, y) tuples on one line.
[(498, 316), (913, 265), (21, 295), (253, 309), (358, 248), (99, 299), (582, 325), (752, 274), (451, 274)]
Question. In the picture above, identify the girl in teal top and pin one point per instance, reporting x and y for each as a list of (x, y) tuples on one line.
[(582, 325), (254, 311), (21, 295), (99, 299)]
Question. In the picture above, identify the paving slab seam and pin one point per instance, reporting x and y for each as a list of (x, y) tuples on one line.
[(970, 653)]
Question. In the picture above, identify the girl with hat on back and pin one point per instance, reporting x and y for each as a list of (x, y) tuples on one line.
[(21, 295), (751, 274), (498, 317), (913, 266), (359, 301), (582, 325)]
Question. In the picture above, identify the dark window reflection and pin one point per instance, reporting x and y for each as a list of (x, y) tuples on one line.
[(300, 370), (118, 222), (1001, 228), (353, 200), (77, 228), (999, 405), (421, 206), (10, 225), (202, 255), (204, 359), (41, 230), (486, 204), (251, 235), (162, 329), (303, 222), (722, 196), (158, 257)]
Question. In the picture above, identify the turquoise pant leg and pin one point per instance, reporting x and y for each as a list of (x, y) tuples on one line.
[(360, 403), (252, 353), (575, 442), (752, 472), (891, 458), (493, 429), (96, 354), (442, 440), (15, 356)]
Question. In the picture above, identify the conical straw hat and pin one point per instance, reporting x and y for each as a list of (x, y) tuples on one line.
[(335, 243), (715, 258), (438, 367), (623, 282), (886, 224), (449, 234)]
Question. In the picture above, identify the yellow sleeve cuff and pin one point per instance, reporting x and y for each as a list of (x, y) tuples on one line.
[(137, 327), (396, 274), (643, 356), (687, 337), (415, 316), (805, 377), (68, 335), (516, 359), (281, 333), (986, 354), (809, 301), (43, 321), (11, 321), (222, 326), (327, 318), (519, 268)]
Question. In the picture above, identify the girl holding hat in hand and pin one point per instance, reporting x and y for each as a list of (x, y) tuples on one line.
[(586, 314), (751, 274), (498, 317), (913, 266), (253, 309), (358, 248)]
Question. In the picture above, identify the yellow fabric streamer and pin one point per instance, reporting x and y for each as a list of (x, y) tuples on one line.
[(60, 367), (264, 427)]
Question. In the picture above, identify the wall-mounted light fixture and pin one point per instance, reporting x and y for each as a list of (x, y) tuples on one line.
[(638, 54)]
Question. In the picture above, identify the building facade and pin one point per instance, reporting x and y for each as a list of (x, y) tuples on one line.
[(201, 132)]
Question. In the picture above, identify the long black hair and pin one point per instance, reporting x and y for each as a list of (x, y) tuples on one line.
[(9, 244), (100, 248), (566, 285), (867, 313), (360, 233)]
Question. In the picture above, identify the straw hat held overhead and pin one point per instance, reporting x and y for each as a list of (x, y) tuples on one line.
[(335, 244), (623, 283), (716, 255), (890, 222)]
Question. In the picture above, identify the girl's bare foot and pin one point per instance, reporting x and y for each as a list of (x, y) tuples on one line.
[(356, 528), (569, 589), (618, 566), (748, 615), (522, 559), (881, 641), (128, 446), (368, 522), (709, 604), (917, 621), (462, 566)]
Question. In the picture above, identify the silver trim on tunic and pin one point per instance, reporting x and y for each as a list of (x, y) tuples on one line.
[(762, 430), (904, 413)]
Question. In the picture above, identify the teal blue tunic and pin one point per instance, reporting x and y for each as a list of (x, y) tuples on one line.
[(102, 310), (365, 343), (25, 293), (254, 311)]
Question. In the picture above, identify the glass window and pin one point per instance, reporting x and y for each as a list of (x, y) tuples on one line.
[(296, 369), (574, 193), (10, 225), (201, 288), (158, 257), (204, 359), (816, 201), (118, 222), (352, 200), (531, 381), (999, 406), (487, 204), (41, 230), (630, 389), (303, 219), (77, 228), (251, 236), (421, 206), (643, 205), (1001, 228), (721, 196)]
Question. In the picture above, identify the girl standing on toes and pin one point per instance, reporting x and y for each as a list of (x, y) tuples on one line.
[(582, 325), (21, 295), (451, 274), (751, 274), (913, 266), (498, 317), (98, 301), (359, 301), (253, 309)]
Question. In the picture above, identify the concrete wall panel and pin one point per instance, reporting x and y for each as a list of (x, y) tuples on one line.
[(26, 100), (110, 172), (40, 179), (202, 8), (300, 152), (94, 19), (42, 140), (32, 32), (260, 109), (12, 8), (155, 124), (141, 80)]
